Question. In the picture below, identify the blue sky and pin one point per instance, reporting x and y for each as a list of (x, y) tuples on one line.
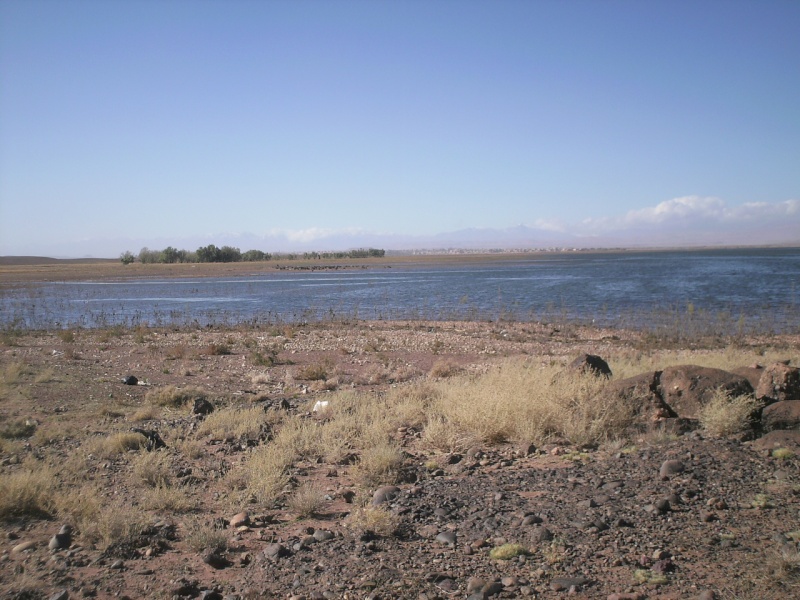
[(276, 125)]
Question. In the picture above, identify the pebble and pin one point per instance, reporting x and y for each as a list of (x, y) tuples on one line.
[(625, 596), (447, 538), (275, 551), (23, 547), (240, 519), (384, 494), (62, 595), (670, 468), (560, 584)]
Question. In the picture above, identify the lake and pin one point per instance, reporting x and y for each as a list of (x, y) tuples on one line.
[(748, 289)]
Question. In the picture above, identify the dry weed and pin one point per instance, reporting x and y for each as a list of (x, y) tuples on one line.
[(442, 369), (170, 499), (153, 469), (201, 535), (375, 519), (145, 413), (725, 415), (174, 397), (115, 444), (27, 492), (234, 424), (307, 500), (265, 472), (378, 464)]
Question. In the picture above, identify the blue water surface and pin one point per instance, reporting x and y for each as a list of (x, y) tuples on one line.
[(745, 288)]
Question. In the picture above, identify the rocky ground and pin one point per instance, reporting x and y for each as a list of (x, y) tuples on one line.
[(668, 513)]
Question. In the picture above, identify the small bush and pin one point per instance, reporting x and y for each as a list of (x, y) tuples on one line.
[(202, 535), (507, 552), (306, 501), (116, 527), (782, 453), (19, 428), (173, 396), (217, 350), (265, 472), (153, 469), (312, 372), (170, 499), (234, 424), (27, 493), (376, 519), (725, 415), (443, 369), (116, 444), (378, 464)]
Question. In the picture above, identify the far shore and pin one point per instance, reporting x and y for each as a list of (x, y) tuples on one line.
[(29, 269)]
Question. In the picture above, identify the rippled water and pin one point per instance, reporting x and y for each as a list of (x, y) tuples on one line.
[(756, 289)]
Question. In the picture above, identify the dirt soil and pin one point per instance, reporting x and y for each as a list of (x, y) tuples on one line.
[(593, 522)]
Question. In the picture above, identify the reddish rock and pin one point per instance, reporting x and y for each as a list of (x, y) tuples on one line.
[(779, 382), (781, 415), (640, 393), (590, 363), (752, 373), (687, 388), (779, 438)]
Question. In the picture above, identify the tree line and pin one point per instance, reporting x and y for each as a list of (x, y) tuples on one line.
[(226, 254)]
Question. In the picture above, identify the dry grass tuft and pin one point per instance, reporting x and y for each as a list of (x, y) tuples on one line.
[(307, 500), (375, 519), (442, 369), (234, 424), (116, 526), (266, 472), (312, 372), (115, 444), (17, 429), (725, 415), (169, 499), (27, 493), (378, 464), (145, 413), (153, 469), (174, 397), (201, 535)]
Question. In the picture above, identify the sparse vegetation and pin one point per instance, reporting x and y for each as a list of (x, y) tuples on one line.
[(507, 551), (174, 397), (725, 415)]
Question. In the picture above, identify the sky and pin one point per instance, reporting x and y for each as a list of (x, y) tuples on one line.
[(284, 125)]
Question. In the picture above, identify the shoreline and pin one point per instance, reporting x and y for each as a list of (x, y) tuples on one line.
[(21, 270)]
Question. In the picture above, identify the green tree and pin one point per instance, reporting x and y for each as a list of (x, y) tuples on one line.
[(127, 257)]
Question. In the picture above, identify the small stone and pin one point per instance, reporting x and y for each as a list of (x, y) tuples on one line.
[(475, 584), (707, 595), (275, 551), (663, 505), (117, 564), (560, 584), (625, 596), (215, 560), (491, 589), (323, 535), (670, 468), (240, 519), (23, 547), (62, 595), (707, 516), (447, 538), (384, 494)]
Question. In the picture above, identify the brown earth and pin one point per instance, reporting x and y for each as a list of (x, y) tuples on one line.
[(593, 522)]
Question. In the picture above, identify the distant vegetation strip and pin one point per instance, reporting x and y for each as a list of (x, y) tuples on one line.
[(229, 254)]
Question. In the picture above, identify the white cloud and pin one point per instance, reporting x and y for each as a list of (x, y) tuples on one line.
[(692, 211)]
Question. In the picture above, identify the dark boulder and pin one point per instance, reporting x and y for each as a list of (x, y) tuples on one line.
[(781, 415), (154, 441), (687, 388), (590, 363), (202, 407), (752, 373), (130, 380), (640, 395)]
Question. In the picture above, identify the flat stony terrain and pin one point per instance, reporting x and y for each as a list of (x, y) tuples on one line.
[(660, 512)]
